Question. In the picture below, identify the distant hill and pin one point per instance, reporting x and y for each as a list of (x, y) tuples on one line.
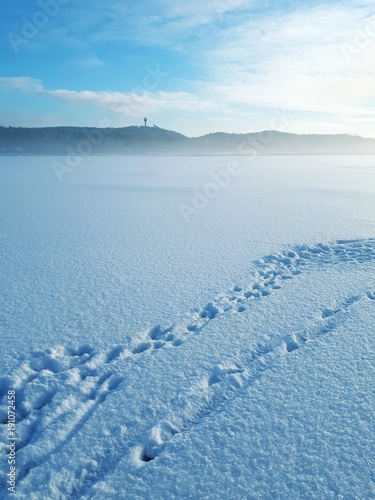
[(155, 140)]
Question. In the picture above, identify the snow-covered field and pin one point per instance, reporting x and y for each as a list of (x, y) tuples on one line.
[(165, 343)]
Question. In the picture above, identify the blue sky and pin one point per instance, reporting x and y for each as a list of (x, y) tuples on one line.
[(193, 66)]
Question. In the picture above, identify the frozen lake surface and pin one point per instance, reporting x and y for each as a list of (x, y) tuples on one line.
[(189, 327)]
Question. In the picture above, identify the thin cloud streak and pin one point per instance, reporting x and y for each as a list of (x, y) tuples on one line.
[(131, 103)]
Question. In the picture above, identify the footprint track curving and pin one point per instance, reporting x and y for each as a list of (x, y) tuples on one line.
[(228, 379), (272, 273), (88, 373)]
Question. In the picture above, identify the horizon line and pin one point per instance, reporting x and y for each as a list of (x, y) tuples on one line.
[(189, 137)]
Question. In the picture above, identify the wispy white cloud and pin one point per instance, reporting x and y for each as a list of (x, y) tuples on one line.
[(91, 61), (123, 103), (161, 23), (295, 61), (132, 103), (23, 83)]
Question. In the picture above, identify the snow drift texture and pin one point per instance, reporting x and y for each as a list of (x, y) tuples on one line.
[(155, 358)]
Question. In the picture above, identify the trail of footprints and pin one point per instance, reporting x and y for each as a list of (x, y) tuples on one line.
[(228, 379), (90, 375), (271, 272), (43, 410)]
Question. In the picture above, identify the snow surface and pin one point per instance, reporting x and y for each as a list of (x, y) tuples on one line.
[(232, 356)]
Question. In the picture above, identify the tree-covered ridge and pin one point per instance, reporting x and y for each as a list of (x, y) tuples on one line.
[(155, 140)]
